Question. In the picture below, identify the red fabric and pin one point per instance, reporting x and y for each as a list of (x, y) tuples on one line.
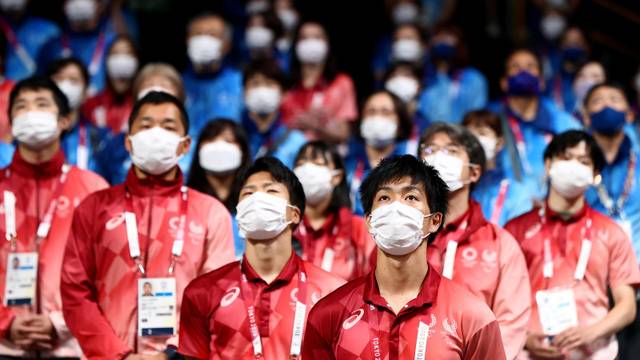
[(213, 322), (33, 187), (612, 263), (5, 90), (347, 235), (490, 264), (461, 326), (99, 278), (105, 110), (338, 99)]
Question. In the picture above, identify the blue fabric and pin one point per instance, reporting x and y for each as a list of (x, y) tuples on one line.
[(518, 198), (613, 177), (357, 157), (448, 97), (288, 141), (238, 240), (70, 143), (32, 33), (113, 159), (560, 89), (548, 121), (6, 154)]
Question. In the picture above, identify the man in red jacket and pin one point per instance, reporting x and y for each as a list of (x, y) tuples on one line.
[(39, 194), (574, 255), (150, 232), (469, 250), (403, 309)]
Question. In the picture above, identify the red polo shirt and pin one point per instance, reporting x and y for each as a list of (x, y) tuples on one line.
[(355, 322), (214, 319)]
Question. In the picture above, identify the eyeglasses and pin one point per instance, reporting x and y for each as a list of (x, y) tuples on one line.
[(453, 150)]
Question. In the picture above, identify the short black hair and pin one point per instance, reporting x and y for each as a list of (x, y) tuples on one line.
[(606, 84), (319, 148), (157, 98), (60, 64), (415, 70), (395, 168), (483, 118), (36, 83), (458, 135), (571, 138), (280, 173), (267, 68)]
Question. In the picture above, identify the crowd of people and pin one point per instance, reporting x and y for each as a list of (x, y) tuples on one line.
[(252, 207)]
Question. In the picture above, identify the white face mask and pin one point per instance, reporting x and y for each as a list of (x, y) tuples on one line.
[(316, 182), (449, 168), (570, 178), (289, 18), (404, 87), (552, 26), (36, 129), (406, 50), (258, 37), (378, 131), (154, 150), (122, 66), (263, 100), (13, 5), (262, 216), (73, 91), (204, 49), (220, 156), (489, 146), (80, 10), (397, 228), (405, 13), (312, 51)]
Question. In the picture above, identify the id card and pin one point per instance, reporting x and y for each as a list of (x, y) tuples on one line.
[(156, 306), (21, 282), (557, 310)]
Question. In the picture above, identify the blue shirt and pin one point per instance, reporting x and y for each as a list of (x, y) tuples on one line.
[(6, 154), (32, 34), (357, 167), (93, 139), (528, 158), (517, 198), (114, 160), (614, 176), (278, 141), (448, 97)]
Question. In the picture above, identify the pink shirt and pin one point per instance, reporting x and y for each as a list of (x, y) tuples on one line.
[(612, 263), (490, 264)]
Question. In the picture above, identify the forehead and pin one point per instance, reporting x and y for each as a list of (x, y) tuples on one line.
[(580, 149), (158, 111), (407, 31), (440, 138), (122, 45), (262, 178), (210, 23), (401, 184), (312, 29), (380, 99), (592, 68), (606, 91), (522, 58), (32, 94)]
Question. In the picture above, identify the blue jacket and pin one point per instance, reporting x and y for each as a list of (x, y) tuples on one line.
[(517, 198), (6, 154), (357, 168), (448, 97), (278, 141), (94, 142), (238, 240), (613, 180), (32, 34), (537, 133)]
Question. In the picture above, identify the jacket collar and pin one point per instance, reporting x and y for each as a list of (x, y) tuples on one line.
[(427, 294), (47, 169), (473, 219), (152, 185), (287, 273)]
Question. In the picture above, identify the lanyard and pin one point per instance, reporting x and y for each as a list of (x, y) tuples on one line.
[(499, 204), (614, 208), (520, 143), (374, 335), (452, 248), (96, 57), (298, 318), (44, 226), (132, 232), (585, 249), (22, 53), (82, 153)]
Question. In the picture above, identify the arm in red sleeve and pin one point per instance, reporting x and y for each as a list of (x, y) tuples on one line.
[(486, 343), (220, 247), (194, 325), (512, 299), (79, 294), (346, 109), (317, 335)]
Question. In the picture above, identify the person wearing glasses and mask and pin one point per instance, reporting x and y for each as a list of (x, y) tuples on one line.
[(150, 229), (470, 250), (257, 307)]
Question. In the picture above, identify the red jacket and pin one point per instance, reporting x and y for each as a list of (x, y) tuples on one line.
[(99, 278), (33, 187), (104, 110)]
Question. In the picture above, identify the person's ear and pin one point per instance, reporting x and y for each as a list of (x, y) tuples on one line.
[(475, 172), (185, 146), (629, 117), (295, 215), (503, 84), (499, 144), (435, 222), (64, 122), (127, 143), (586, 119), (547, 167), (543, 84), (337, 177)]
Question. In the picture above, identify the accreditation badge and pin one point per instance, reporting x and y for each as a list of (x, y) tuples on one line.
[(22, 277), (157, 306)]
